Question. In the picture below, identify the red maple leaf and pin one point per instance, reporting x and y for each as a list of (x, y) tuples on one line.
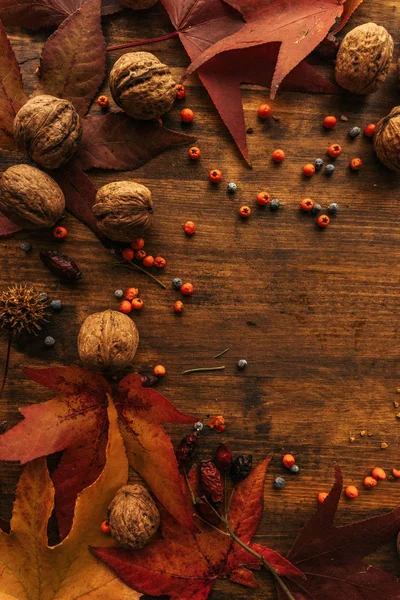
[(186, 564), (76, 421)]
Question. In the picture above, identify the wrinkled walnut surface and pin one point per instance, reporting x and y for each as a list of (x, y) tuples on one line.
[(387, 139), (48, 130), (30, 198)]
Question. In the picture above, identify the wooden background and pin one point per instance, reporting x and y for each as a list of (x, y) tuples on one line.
[(315, 313)]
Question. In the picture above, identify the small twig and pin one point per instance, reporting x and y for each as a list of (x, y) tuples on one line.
[(203, 370), (211, 525), (7, 364), (225, 481), (189, 486), (221, 353), (161, 38), (137, 268), (229, 503)]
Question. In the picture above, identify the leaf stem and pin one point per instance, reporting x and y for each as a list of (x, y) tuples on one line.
[(221, 353), (7, 364), (202, 370), (225, 533), (161, 38), (137, 268)]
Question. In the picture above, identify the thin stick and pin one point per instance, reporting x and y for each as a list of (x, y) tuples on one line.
[(221, 353), (6, 365), (225, 481), (137, 268), (161, 38), (189, 486), (203, 370)]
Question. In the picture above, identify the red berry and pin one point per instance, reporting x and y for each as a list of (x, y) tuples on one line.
[(355, 164), (306, 204), (137, 304), (137, 244), (378, 473), (60, 233), (215, 175), (335, 150), (159, 262), (128, 254), (103, 101), (187, 115), (322, 496), (263, 198), (189, 227), (194, 153), (330, 122), (264, 111), (278, 155), (148, 261), (351, 492), (125, 307), (105, 527), (370, 482), (370, 130), (180, 91), (178, 306), (288, 460), (187, 289), (323, 221), (308, 170)]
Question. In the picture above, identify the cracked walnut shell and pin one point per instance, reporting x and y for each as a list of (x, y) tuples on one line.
[(142, 85), (133, 516), (107, 341), (30, 198), (48, 130), (387, 140), (364, 59), (123, 210)]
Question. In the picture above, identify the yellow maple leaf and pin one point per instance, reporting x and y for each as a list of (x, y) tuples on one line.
[(32, 570)]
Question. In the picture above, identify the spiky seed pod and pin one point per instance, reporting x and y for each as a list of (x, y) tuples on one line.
[(22, 309)]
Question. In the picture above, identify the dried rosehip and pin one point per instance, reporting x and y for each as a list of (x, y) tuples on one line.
[(223, 457), (186, 448), (61, 265), (211, 482), (241, 467)]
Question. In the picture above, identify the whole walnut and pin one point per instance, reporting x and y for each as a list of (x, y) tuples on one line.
[(142, 85), (107, 341), (387, 140), (30, 198), (48, 130), (139, 4), (133, 516), (364, 59), (123, 210)]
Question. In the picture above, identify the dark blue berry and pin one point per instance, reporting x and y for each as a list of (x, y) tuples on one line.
[(294, 469), (279, 483), (56, 304), (318, 164), (49, 341), (354, 132), (242, 363), (316, 209), (177, 283), (232, 187), (329, 169), (274, 204), (26, 246), (333, 208)]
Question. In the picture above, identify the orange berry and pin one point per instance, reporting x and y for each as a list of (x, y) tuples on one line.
[(370, 482), (370, 130), (187, 289), (288, 460), (180, 91), (159, 262), (159, 121), (306, 204), (148, 261), (355, 164), (308, 170), (60, 233), (103, 101), (263, 198), (137, 304), (264, 111), (128, 254), (322, 496), (323, 221), (125, 307), (330, 122), (218, 423), (244, 211), (159, 371), (215, 175), (178, 306), (194, 153), (378, 473), (335, 150), (278, 155), (396, 473), (187, 115), (137, 244), (105, 527), (351, 492), (140, 254), (131, 293), (189, 227)]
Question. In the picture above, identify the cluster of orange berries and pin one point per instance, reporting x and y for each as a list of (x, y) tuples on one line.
[(137, 252), (187, 115), (308, 205), (131, 302), (371, 481)]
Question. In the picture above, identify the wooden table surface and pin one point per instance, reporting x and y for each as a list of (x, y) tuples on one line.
[(315, 313)]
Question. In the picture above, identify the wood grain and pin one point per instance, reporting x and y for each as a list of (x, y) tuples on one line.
[(315, 313)]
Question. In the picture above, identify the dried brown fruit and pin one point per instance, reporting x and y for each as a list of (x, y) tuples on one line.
[(107, 341), (61, 265), (364, 58), (142, 85), (387, 140), (123, 210), (133, 516), (30, 198), (48, 130), (139, 4)]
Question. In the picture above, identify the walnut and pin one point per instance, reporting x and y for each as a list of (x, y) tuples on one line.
[(133, 516), (142, 85), (123, 210), (48, 130), (387, 140), (364, 59), (139, 4), (30, 198), (107, 341)]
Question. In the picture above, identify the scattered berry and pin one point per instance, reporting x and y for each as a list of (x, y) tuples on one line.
[(351, 492), (274, 204), (56, 304), (128, 254), (242, 364), (194, 153), (159, 371), (105, 527), (140, 254), (244, 211), (137, 304), (159, 262), (43, 296), (148, 261), (322, 496), (278, 155), (329, 169), (218, 423), (60, 233), (330, 122), (323, 221), (264, 111), (189, 227), (355, 164), (187, 289), (307, 204), (26, 246), (223, 457), (137, 244), (177, 283), (279, 483), (288, 460), (308, 170), (370, 482), (263, 198), (49, 341), (131, 293), (232, 187), (178, 306), (180, 91), (241, 467), (354, 132), (378, 473), (316, 209), (370, 130), (333, 208), (396, 473), (125, 307), (335, 150), (295, 469), (198, 426), (187, 115), (118, 293), (103, 101), (215, 175), (318, 164)]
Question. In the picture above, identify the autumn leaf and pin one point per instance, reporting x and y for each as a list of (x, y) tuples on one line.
[(185, 564), (12, 95), (32, 569), (73, 61), (349, 7), (115, 141), (76, 421), (332, 557), (7, 227)]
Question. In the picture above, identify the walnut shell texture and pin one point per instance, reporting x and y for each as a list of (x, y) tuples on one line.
[(139, 4), (364, 59), (107, 341), (142, 85), (133, 516), (48, 130), (30, 198), (387, 140), (123, 210)]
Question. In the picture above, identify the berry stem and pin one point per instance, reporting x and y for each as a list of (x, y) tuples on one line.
[(161, 38), (202, 370), (221, 353), (137, 268), (7, 364)]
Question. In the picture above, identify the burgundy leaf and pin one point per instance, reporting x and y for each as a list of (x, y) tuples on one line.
[(7, 227)]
